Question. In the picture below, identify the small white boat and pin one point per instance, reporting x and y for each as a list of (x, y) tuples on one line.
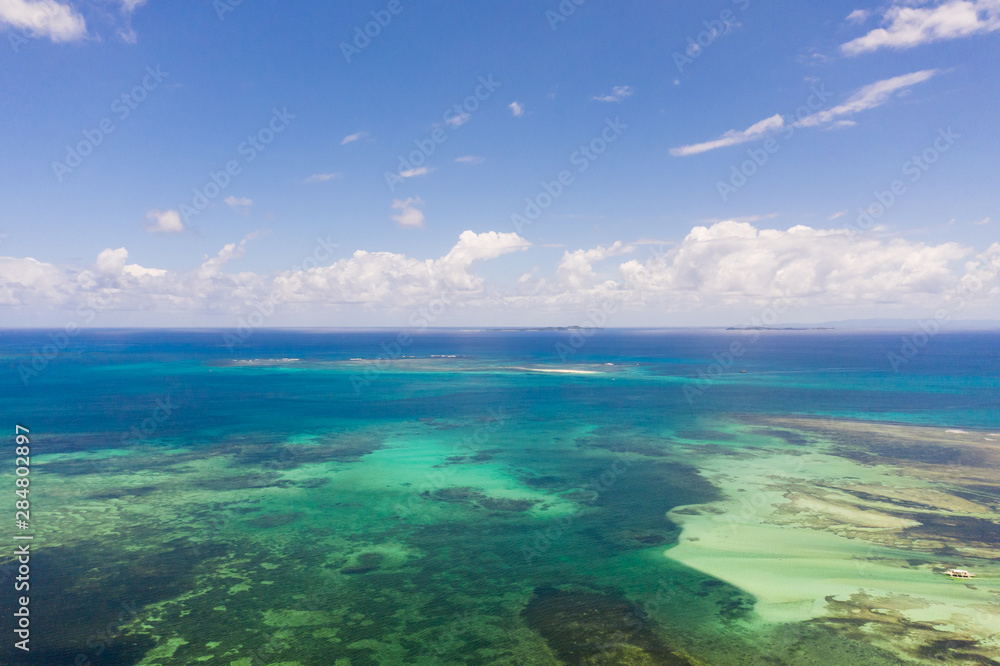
[(960, 573)]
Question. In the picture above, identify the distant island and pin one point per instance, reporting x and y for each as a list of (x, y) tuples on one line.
[(769, 328)]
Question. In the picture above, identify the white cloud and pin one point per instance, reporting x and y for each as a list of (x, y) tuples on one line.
[(733, 137), (869, 97), (907, 26), (164, 222), (618, 93), (575, 269), (516, 109), (836, 215), (213, 266), (241, 204), (396, 280), (983, 221), (112, 263), (44, 18), (730, 261), (841, 124), (126, 32), (28, 280), (412, 173), (458, 119), (724, 265), (409, 215), (858, 16), (351, 138), (470, 159), (323, 177)]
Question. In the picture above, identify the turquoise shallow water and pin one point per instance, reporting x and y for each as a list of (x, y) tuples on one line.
[(488, 497)]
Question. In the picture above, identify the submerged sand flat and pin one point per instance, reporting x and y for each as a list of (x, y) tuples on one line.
[(855, 531)]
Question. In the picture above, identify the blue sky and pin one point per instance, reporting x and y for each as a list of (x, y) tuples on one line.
[(894, 79)]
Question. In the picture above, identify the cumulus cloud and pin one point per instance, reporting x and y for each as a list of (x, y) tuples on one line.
[(516, 109), (409, 215), (164, 222), (870, 96), (618, 93), (44, 18), (29, 281), (112, 263), (575, 269), (395, 280), (907, 26), (726, 264), (351, 138), (730, 261)]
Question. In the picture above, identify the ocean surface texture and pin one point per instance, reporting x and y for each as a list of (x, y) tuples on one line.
[(344, 498)]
